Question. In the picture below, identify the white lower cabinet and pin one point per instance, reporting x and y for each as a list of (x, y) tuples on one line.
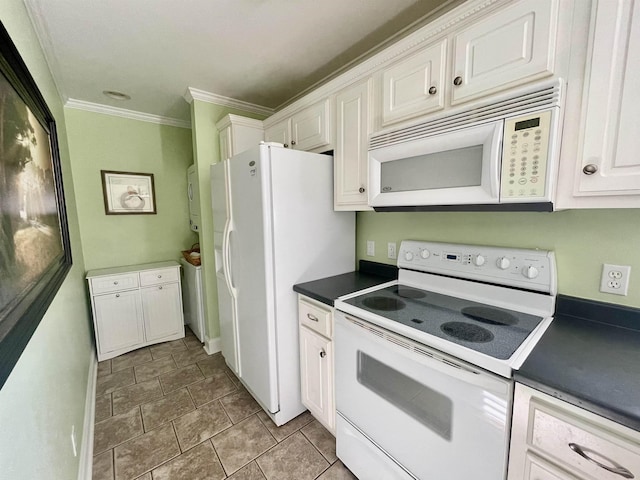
[(316, 361), (135, 306), (554, 440), (118, 321)]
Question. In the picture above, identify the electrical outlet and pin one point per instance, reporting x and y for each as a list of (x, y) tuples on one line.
[(371, 248), (615, 279), (73, 441), (391, 250)]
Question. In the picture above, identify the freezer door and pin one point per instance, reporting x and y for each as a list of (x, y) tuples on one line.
[(226, 299), (251, 273)]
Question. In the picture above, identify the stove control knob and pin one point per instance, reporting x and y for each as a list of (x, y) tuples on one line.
[(425, 254), (408, 256), (479, 260), (503, 263), (530, 272)]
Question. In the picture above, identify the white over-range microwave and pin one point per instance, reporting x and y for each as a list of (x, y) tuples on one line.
[(501, 155)]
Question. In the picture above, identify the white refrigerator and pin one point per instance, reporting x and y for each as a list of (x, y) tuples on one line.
[(274, 226)]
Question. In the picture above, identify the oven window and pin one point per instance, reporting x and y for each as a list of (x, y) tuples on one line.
[(461, 167), (425, 405)]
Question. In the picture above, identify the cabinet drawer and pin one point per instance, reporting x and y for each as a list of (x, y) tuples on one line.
[(315, 317), (562, 437), (114, 283), (154, 277)]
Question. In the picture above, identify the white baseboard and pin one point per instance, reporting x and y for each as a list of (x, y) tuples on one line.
[(212, 345), (86, 449)]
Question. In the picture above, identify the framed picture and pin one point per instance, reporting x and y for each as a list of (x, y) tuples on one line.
[(127, 193), (35, 252)]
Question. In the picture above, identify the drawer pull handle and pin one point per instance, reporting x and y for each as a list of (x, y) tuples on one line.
[(311, 317), (617, 469)]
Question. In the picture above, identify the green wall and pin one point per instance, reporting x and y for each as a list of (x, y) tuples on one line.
[(206, 150), (46, 392), (582, 240), (104, 142)]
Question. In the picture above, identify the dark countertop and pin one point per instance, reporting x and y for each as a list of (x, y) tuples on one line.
[(326, 290), (590, 357)]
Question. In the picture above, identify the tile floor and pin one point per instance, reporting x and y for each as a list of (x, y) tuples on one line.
[(170, 412)]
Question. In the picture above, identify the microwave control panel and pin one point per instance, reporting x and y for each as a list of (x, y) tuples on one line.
[(525, 155)]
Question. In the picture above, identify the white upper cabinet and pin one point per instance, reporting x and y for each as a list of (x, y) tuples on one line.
[(605, 169), (308, 129), (279, 132), (350, 156), (510, 47), (238, 134), (507, 47), (415, 85)]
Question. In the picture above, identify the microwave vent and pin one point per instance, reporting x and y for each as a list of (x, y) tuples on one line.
[(545, 96)]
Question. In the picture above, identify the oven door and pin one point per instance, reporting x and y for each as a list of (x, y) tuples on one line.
[(453, 168), (428, 413)]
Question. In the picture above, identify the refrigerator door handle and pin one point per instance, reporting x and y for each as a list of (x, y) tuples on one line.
[(226, 247)]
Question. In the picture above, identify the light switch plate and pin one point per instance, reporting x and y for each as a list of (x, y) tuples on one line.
[(371, 248)]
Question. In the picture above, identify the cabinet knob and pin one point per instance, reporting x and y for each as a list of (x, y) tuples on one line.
[(159, 276), (361, 189), (115, 283), (286, 145), (457, 81), (433, 91), (323, 353), (590, 169), (293, 142), (160, 287), (117, 295)]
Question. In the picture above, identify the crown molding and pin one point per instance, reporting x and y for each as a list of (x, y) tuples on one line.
[(194, 94), (123, 112), (41, 29)]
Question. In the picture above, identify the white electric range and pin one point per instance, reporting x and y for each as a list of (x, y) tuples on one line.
[(424, 364)]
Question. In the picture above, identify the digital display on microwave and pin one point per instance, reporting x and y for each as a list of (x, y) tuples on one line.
[(523, 125)]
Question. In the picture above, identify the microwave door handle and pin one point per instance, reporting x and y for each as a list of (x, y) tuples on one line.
[(495, 163)]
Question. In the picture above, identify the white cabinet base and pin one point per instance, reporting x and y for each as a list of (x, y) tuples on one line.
[(135, 306)]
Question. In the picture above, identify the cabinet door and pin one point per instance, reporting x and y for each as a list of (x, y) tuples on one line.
[(118, 321), (351, 152), (310, 127), (414, 86), (610, 164), (510, 47), (279, 132), (162, 308), (538, 469), (316, 370)]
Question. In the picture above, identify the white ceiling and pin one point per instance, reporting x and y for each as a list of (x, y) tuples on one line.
[(263, 52)]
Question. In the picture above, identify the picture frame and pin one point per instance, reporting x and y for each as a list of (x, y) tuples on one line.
[(35, 248), (128, 193)]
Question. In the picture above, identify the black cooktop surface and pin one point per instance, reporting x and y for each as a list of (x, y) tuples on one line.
[(494, 331)]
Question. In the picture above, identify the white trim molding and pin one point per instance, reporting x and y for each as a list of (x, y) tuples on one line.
[(212, 345), (85, 466), (194, 94), (123, 112)]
